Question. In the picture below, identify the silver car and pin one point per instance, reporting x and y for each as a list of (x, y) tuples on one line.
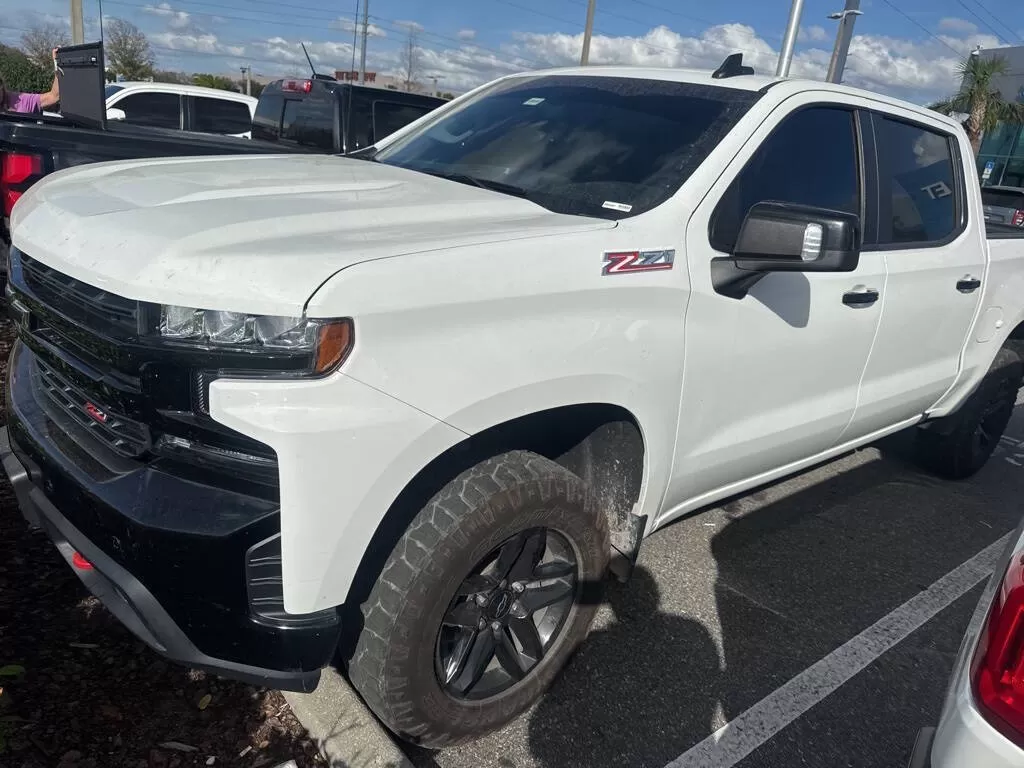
[(982, 722), (1004, 206)]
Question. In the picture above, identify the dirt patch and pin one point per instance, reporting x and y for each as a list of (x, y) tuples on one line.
[(77, 690)]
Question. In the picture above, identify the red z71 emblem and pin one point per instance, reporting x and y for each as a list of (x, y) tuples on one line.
[(96, 413), (621, 262)]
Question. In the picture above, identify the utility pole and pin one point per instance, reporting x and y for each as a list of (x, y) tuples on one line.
[(789, 41), (847, 18), (435, 78), (77, 23), (587, 32), (362, 53), (247, 74)]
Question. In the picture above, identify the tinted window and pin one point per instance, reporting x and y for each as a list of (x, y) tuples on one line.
[(595, 146), (266, 123), (917, 188), (1003, 198), (162, 110), (220, 116), (110, 90), (310, 121), (389, 116), (793, 165)]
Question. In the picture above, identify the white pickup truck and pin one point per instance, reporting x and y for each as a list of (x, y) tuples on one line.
[(405, 411)]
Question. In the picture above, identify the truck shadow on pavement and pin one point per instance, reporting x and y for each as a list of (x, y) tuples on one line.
[(799, 572)]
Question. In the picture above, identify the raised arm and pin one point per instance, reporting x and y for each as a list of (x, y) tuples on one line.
[(52, 96)]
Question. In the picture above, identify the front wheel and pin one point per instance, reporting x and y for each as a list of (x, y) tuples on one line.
[(482, 601), (958, 445)]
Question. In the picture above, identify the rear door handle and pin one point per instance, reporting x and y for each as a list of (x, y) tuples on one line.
[(968, 284), (860, 298)]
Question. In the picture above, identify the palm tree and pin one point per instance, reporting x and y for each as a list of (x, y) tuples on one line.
[(984, 106)]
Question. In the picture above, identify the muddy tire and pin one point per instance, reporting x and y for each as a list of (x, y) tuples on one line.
[(482, 601), (958, 445)]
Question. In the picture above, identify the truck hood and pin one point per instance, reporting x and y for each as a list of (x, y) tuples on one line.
[(255, 234)]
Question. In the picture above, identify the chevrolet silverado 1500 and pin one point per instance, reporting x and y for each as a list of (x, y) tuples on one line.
[(405, 411)]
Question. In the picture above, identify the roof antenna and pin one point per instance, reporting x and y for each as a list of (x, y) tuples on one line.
[(316, 75), (732, 67)]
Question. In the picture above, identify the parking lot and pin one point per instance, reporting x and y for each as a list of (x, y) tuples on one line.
[(730, 604)]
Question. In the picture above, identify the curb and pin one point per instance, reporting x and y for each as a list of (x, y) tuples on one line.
[(346, 731)]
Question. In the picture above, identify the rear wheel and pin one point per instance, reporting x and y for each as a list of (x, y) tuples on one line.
[(958, 445), (482, 601)]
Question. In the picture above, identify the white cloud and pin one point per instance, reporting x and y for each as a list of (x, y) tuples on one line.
[(814, 34), (329, 56), (204, 42), (412, 26), (348, 25), (467, 34), (955, 25), (176, 20)]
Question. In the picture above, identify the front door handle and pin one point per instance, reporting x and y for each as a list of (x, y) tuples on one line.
[(968, 284), (860, 298)]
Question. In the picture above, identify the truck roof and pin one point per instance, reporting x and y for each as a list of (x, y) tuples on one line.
[(741, 82)]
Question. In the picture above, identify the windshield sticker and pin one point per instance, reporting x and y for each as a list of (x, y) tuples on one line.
[(613, 206), (533, 102), (620, 262)]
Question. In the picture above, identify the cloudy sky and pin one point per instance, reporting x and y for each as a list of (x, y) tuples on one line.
[(908, 48)]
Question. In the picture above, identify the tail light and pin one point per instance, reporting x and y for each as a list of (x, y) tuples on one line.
[(17, 171), (998, 669), (1018, 218), (301, 86)]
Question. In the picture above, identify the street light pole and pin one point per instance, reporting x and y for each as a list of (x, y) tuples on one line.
[(587, 32), (847, 18), (789, 41), (362, 52)]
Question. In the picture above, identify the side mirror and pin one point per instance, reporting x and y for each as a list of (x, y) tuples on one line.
[(783, 237), (113, 113)]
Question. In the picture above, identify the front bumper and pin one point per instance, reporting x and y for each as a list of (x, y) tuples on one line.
[(173, 559)]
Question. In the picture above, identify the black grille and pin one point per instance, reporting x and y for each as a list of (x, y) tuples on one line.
[(80, 301), (125, 436)]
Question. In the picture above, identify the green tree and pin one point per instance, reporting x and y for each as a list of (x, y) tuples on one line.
[(20, 74), (984, 106), (127, 50), (169, 76), (214, 81)]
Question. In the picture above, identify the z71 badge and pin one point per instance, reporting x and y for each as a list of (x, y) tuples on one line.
[(621, 262)]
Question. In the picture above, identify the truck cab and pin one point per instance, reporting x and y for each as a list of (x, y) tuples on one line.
[(332, 116)]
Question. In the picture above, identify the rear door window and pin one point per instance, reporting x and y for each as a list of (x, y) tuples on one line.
[(389, 116), (266, 123), (220, 116), (310, 122), (161, 110), (920, 194)]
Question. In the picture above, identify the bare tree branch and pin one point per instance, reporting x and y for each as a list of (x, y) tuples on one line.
[(39, 40)]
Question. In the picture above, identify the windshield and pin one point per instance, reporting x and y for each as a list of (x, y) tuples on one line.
[(609, 147), (110, 90)]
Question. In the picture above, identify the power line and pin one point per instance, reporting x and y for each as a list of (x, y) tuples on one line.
[(921, 26), (971, 11), (1001, 23), (379, 21)]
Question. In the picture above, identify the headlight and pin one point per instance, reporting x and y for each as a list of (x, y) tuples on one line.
[(328, 341)]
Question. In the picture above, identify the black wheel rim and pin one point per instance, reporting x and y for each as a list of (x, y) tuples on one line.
[(506, 615)]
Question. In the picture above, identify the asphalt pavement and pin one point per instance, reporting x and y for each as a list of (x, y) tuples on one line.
[(729, 605)]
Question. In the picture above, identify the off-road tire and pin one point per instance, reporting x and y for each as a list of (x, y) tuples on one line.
[(392, 666), (955, 447)]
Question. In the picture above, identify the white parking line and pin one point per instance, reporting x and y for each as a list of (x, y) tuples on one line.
[(748, 731)]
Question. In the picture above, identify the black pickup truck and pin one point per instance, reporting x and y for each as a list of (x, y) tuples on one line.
[(293, 116)]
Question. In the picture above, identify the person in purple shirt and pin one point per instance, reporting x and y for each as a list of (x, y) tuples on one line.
[(15, 101)]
